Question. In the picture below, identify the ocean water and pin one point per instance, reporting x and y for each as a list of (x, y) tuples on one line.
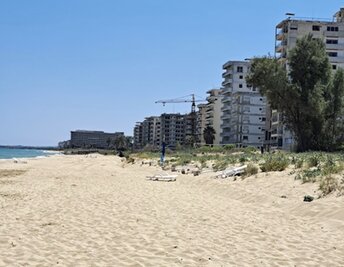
[(9, 153)]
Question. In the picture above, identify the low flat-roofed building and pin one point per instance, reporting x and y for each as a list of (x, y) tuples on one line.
[(92, 139)]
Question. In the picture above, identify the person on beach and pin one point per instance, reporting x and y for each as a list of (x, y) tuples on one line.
[(163, 150)]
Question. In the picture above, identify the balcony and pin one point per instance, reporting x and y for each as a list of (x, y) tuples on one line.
[(228, 72), (281, 47), (334, 34), (280, 35), (226, 108), (335, 46), (227, 82), (336, 59), (226, 118), (226, 99)]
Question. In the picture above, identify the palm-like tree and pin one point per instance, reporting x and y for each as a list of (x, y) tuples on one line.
[(209, 135), (120, 142)]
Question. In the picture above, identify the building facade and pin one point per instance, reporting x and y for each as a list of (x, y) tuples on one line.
[(243, 109), (92, 139), (201, 123), (172, 128), (213, 113), (287, 32)]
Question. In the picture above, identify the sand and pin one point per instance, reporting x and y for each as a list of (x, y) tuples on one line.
[(93, 211)]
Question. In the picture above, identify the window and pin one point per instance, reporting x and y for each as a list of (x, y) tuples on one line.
[(263, 119), (240, 85), (332, 54), (332, 29), (241, 77), (245, 137), (334, 67), (316, 28), (240, 69), (332, 41), (293, 28)]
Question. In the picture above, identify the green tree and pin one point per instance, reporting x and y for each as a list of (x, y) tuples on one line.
[(334, 110), (120, 143), (301, 92), (209, 135)]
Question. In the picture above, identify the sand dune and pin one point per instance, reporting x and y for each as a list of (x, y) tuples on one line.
[(91, 211)]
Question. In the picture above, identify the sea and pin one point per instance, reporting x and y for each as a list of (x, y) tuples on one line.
[(10, 153)]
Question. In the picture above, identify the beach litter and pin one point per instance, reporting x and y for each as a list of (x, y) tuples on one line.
[(164, 177), (230, 172)]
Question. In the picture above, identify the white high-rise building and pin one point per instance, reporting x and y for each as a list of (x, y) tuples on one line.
[(331, 31), (213, 113), (243, 110)]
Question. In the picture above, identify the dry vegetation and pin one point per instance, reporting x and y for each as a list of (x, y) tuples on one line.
[(326, 169)]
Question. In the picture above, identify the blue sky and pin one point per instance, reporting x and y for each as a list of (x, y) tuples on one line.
[(101, 64)]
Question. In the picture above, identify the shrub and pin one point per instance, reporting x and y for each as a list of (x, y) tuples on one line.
[(228, 147), (203, 162), (331, 167), (251, 170), (220, 165), (314, 160), (328, 184), (250, 149), (242, 159), (309, 175), (183, 161), (275, 163), (298, 162), (130, 160)]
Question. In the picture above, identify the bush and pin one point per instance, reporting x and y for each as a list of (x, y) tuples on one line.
[(251, 170), (242, 159), (220, 165), (275, 163), (250, 149), (298, 161), (331, 167), (309, 175), (130, 160), (228, 147), (328, 184), (314, 160)]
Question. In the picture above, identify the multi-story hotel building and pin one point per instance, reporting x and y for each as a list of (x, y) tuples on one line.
[(287, 32), (92, 139), (209, 114), (243, 108), (173, 129), (200, 123), (213, 113)]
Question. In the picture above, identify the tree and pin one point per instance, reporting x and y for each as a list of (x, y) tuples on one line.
[(120, 143), (108, 142), (334, 110), (302, 92), (209, 135)]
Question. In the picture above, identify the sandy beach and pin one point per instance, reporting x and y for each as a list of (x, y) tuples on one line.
[(97, 211)]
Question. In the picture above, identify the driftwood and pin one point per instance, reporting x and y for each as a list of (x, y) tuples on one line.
[(232, 172), (163, 177)]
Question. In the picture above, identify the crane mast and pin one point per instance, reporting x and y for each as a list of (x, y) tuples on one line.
[(193, 116)]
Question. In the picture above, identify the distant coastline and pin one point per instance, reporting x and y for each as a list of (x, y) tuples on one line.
[(30, 147), (23, 152)]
